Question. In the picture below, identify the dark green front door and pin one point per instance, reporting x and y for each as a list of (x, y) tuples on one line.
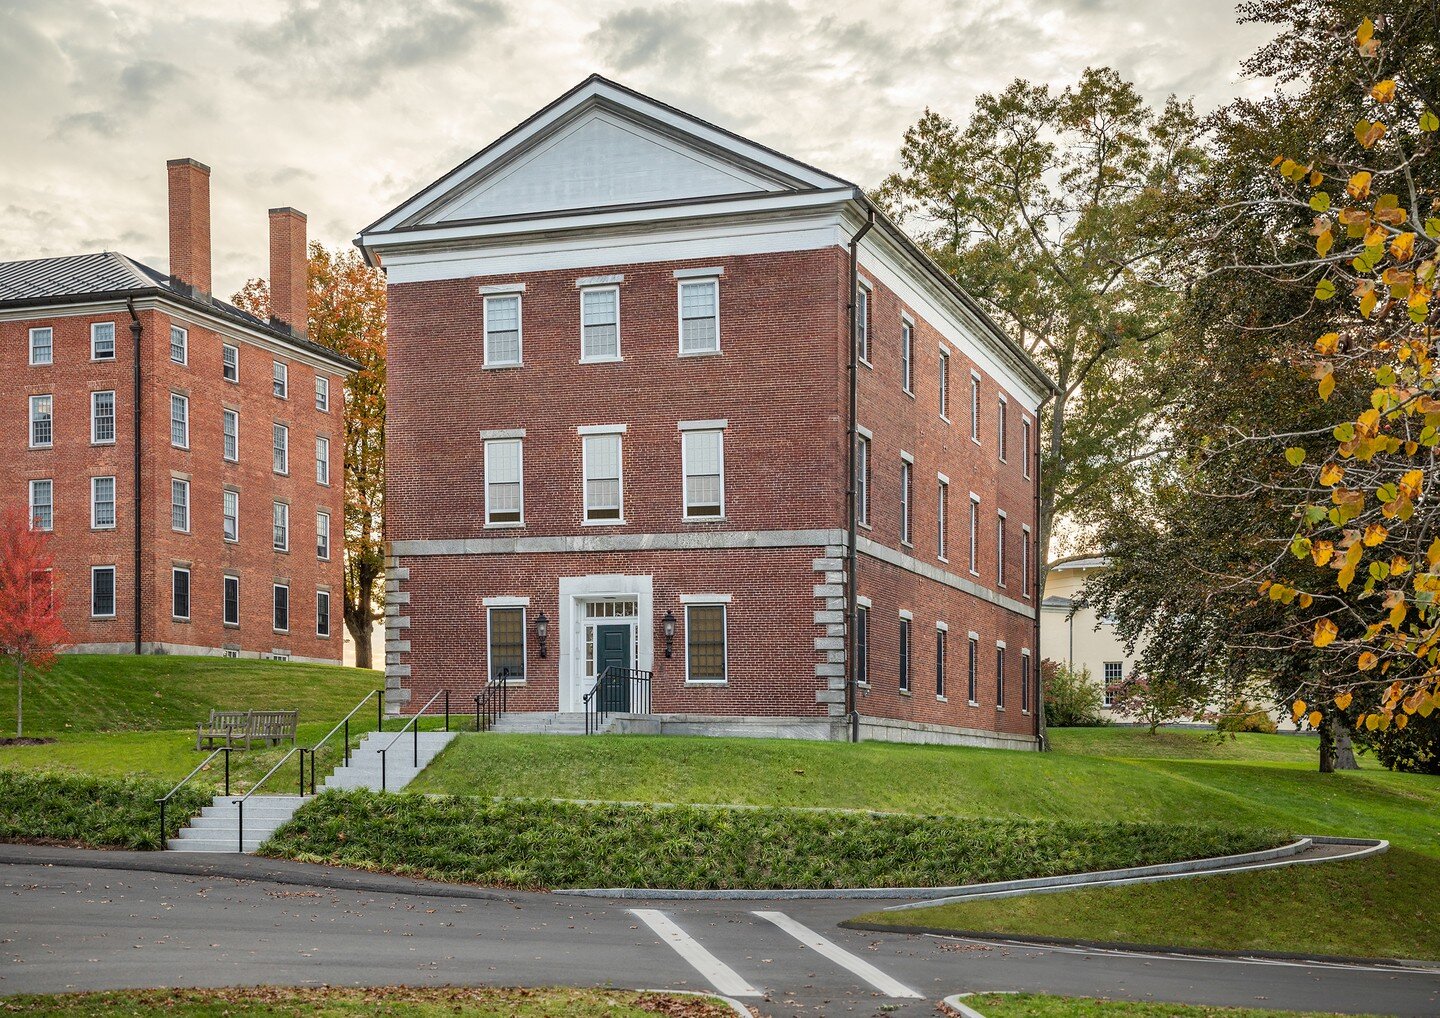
[(612, 650)]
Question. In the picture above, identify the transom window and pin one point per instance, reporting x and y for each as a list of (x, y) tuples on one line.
[(42, 346), (179, 421), (700, 316), (604, 488), (230, 362), (705, 643), (179, 344), (102, 503), (42, 421), (504, 481), (615, 608), (505, 631), (102, 417), (600, 323), (704, 467), (42, 504), (102, 341), (502, 330), (180, 505)]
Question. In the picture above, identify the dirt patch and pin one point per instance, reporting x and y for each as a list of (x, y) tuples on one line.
[(27, 741)]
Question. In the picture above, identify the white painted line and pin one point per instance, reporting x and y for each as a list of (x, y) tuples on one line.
[(859, 966), (721, 976)]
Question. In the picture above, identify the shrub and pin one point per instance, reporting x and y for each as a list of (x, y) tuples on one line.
[(1414, 748), (94, 812), (1073, 699), (1245, 716), (1157, 701)]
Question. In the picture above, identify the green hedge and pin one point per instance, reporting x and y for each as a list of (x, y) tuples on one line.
[(94, 812), (541, 843)]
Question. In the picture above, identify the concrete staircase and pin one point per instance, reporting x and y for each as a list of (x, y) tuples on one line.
[(217, 828), (542, 723)]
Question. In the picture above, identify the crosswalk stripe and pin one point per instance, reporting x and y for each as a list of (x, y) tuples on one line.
[(725, 979), (862, 968)]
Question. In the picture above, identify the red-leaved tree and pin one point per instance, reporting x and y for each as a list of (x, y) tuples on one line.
[(30, 627)]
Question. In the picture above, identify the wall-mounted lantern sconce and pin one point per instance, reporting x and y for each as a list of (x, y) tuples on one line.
[(668, 623), (542, 631)]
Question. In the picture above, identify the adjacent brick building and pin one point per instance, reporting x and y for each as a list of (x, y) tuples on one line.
[(619, 434), (187, 456)]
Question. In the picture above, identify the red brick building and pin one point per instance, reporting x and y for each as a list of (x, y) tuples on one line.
[(187, 456), (619, 435)]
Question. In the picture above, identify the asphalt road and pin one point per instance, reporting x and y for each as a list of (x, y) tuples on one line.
[(81, 928)]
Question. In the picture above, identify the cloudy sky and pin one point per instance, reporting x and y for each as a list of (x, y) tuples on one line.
[(343, 107)]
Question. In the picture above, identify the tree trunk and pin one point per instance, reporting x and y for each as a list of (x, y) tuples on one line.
[(1327, 745), (1344, 752), (361, 630), (19, 697)]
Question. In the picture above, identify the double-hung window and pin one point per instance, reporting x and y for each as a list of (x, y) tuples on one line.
[(905, 652), (180, 594), (907, 356), (941, 639), (502, 330), (705, 643), (1025, 560), (1002, 428), (862, 322), (862, 644), (1114, 672), (280, 526), (907, 469), (280, 380), (102, 417), (972, 663), (862, 481), (600, 323), (179, 421), (1000, 528), (504, 482), (102, 592), (505, 631), (604, 485), (322, 460), (230, 512), (1025, 681), (280, 445), (944, 384), (974, 534), (322, 535), (322, 614), (102, 503), (231, 599), (703, 464), (42, 504), (180, 505), (102, 341), (42, 421), (999, 676), (280, 620), (1025, 446), (179, 344), (42, 346), (231, 428), (942, 511), (974, 408), (229, 362), (322, 395), (699, 316)]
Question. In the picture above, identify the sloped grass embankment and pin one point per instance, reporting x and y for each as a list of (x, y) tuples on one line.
[(96, 812)]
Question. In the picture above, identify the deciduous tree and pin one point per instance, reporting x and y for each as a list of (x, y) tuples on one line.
[(30, 627)]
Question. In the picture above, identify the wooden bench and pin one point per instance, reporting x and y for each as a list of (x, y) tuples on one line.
[(238, 728)]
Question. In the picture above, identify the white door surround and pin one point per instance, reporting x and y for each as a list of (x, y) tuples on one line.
[(575, 593)]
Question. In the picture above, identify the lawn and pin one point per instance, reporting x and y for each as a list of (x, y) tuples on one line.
[(1029, 1005), (394, 1001)]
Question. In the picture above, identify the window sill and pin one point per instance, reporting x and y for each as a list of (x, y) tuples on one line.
[(702, 353), (974, 439), (715, 683), (999, 709), (945, 419), (102, 529), (102, 441), (908, 392), (863, 526), (972, 703), (904, 692), (602, 360), (505, 526), (703, 519), (280, 632), (862, 360), (280, 551), (603, 523), (942, 558), (508, 683), (101, 360), (942, 698), (908, 544), (230, 625), (42, 448), (102, 618), (177, 618), (502, 367)]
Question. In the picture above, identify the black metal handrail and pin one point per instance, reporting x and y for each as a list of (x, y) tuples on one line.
[(186, 780), (616, 691), (415, 733), (492, 701), (344, 723), (240, 802)]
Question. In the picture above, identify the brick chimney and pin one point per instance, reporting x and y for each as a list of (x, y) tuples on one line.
[(289, 270), (190, 224)]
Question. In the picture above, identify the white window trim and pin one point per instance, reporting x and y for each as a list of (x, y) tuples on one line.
[(322, 382), (907, 355), (719, 424), (289, 608), (114, 418), (188, 508), (1000, 520), (524, 638), (907, 499), (975, 407), (724, 607), (322, 461), (943, 382), (329, 615), (589, 282), (322, 530), (189, 594), (863, 285), (236, 493), (862, 476), (114, 503), (184, 345), (42, 480), (703, 272), (224, 580), (31, 421), (274, 433), (283, 378), (286, 546), (1026, 680), (1025, 561), (586, 432), (602, 429), (685, 513), (942, 522), (974, 534), (1002, 426), (30, 352), (1027, 436), (907, 615), (680, 283), (236, 348), (618, 355), (185, 401), (114, 340), (114, 591), (224, 413), (519, 360), (489, 524)]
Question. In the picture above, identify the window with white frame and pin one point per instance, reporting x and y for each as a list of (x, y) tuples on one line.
[(230, 514), (322, 460), (1025, 560), (280, 380), (502, 330), (1000, 535), (322, 394), (179, 344), (907, 356), (942, 510), (1025, 682), (505, 633), (231, 601), (703, 463), (42, 504), (705, 637), (280, 447), (231, 427), (862, 481), (972, 664), (280, 526), (999, 676), (944, 384), (1114, 672), (42, 421), (862, 644), (974, 407), (1025, 446), (862, 322), (322, 535), (42, 346), (102, 417), (1002, 428), (504, 482), (699, 316), (904, 663), (974, 534), (180, 594), (604, 488), (102, 503), (230, 362), (322, 614), (102, 592), (907, 469), (180, 505), (600, 323), (179, 421), (102, 341), (941, 640), (280, 603)]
